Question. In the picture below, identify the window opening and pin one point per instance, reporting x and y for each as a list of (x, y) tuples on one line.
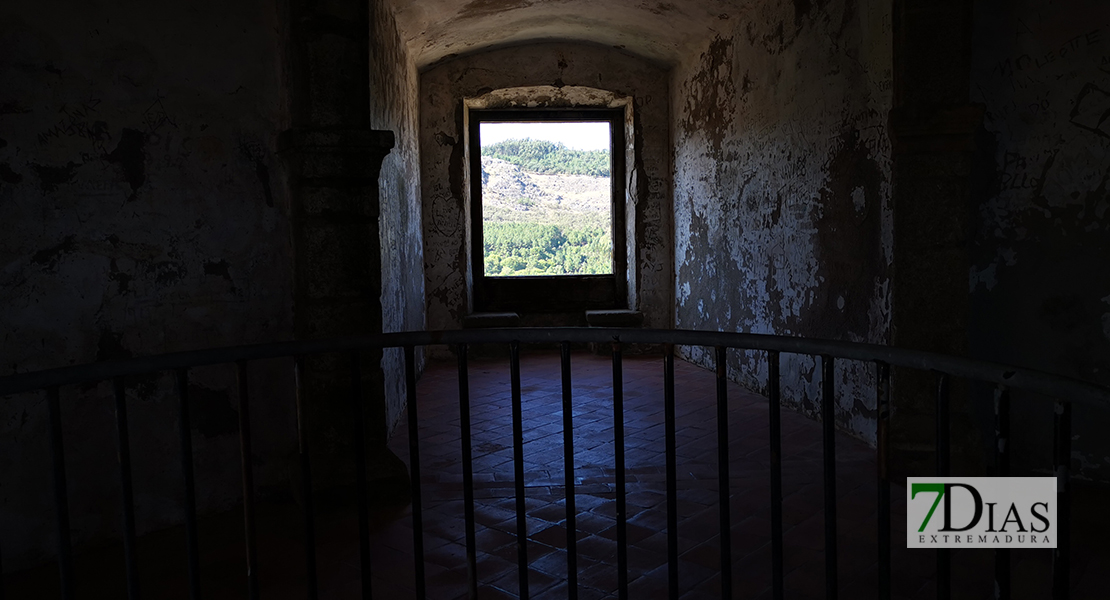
[(546, 198), (547, 209)]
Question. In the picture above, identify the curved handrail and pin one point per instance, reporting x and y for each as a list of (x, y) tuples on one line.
[(1018, 378)]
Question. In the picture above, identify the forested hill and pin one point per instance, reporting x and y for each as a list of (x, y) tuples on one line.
[(550, 158)]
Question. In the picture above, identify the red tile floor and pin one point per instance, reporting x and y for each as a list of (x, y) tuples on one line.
[(698, 507), (594, 491), (281, 571)]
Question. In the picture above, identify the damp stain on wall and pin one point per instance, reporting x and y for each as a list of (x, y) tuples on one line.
[(849, 234), (783, 221), (710, 93), (48, 257), (7, 175), (128, 154), (50, 177), (121, 279), (254, 154), (220, 268)]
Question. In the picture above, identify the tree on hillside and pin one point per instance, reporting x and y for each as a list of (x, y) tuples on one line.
[(550, 158), (513, 249)]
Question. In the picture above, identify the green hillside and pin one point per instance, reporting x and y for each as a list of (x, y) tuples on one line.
[(513, 249), (550, 158)]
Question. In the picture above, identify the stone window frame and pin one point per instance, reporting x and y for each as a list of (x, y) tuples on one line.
[(551, 293)]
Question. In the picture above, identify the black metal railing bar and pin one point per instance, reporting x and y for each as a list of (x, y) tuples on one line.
[(1002, 588), (672, 470), (828, 440), (1064, 391), (61, 495), (246, 459), (518, 470), (468, 473), (311, 579), (1031, 380), (1061, 462), (127, 494), (774, 399), (568, 473), (359, 438), (723, 488), (618, 466), (414, 465), (192, 546), (944, 555), (882, 439)]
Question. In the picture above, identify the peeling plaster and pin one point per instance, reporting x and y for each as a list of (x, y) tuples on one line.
[(783, 221)]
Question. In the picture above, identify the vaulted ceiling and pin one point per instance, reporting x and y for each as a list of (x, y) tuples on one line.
[(659, 31)]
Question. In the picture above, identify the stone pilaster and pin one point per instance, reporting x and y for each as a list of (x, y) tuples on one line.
[(333, 159), (933, 130)]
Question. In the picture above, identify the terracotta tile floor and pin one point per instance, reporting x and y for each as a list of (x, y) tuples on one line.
[(698, 526), (281, 570), (645, 459)]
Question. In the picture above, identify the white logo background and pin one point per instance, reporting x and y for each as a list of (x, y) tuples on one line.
[(1014, 512)]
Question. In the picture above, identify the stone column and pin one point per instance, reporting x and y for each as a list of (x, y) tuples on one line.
[(333, 160), (933, 128)]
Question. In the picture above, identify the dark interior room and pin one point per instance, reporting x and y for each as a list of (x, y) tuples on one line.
[(270, 328)]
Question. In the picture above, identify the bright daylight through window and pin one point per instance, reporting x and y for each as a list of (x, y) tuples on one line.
[(546, 198)]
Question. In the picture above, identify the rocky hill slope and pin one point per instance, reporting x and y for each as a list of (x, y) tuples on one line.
[(511, 194)]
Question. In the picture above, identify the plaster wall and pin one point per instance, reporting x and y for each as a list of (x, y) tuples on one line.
[(658, 31), (144, 212), (1039, 279), (557, 67), (393, 106), (782, 165)]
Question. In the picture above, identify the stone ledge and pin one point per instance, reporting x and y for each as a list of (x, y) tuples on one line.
[(486, 320), (614, 318)]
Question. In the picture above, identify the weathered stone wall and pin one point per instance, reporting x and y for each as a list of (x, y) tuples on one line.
[(783, 221), (143, 212), (393, 106), (1040, 278), (445, 191)]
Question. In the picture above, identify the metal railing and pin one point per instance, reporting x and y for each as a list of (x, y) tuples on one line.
[(1064, 391)]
